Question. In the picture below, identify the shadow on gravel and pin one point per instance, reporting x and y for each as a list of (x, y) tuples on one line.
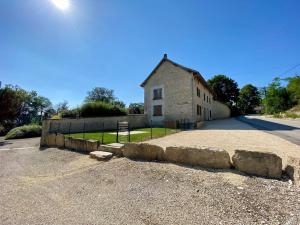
[(64, 149), (284, 177), (265, 125), (3, 143)]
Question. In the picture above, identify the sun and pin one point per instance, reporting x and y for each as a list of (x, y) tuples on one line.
[(62, 4)]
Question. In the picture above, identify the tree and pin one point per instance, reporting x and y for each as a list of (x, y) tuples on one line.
[(277, 99), (136, 108), (119, 104), (62, 107), (100, 94), (12, 99), (249, 98), (293, 88), (225, 89)]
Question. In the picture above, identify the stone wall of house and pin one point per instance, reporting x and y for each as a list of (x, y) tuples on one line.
[(220, 110), (93, 124), (177, 93), (206, 104)]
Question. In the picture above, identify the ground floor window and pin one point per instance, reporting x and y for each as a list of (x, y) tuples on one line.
[(157, 110), (209, 113), (199, 110)]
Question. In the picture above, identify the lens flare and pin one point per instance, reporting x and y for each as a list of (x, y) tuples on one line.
[(61, 4)]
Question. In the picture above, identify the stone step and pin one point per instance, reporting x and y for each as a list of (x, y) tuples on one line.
[(115, 148), (100, 155)]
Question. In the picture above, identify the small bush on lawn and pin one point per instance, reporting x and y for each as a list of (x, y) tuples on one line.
[(25, 131), (95, 109)]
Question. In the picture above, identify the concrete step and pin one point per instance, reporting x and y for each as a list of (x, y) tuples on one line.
[(100, 155)]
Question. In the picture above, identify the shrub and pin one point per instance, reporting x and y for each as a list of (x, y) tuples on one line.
[(71, 113), (96, 109), (25, 131)]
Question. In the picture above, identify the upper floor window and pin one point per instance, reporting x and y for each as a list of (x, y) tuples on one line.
[(207, 98), (198, 92), (204, 96), (157, 94)]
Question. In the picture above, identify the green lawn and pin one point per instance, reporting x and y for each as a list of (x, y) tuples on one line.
[(111, 138)]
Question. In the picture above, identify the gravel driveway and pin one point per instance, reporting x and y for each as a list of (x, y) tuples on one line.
[(231, 134), (62, 187)]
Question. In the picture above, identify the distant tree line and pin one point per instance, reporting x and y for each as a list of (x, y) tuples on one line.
[(272, 99), (19, 107)]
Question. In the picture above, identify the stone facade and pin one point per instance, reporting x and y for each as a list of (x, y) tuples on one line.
[(185, 95)]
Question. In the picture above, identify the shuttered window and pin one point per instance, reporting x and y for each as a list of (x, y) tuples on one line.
[(157, 110)]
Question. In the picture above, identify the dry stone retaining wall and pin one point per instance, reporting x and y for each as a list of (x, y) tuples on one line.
[(255, 163), (258, 163)]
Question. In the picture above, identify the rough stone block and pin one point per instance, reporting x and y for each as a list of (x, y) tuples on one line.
[(143, 151), (68, 143), (78, 144), (204, 157), (293, 169), (51, 140), (115, 148), (258, 163), (60, 140), (101, 155), (91, 145)]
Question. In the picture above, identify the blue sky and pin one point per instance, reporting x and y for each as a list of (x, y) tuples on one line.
[(116, 43)]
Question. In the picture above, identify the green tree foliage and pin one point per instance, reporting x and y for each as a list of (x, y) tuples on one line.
[(12, 100), (136, 108), (119, 104), (277, 98), (225, 89), (249, 98), (100, 94), (98, 109), (19, 107), (293, 88), (62, 107)]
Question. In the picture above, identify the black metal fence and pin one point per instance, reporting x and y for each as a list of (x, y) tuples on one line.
[(122, 133)]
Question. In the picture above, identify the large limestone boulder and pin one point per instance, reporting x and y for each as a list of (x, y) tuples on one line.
[(60, 140), (258, 163), (204, 157), (101, 155), (143, 151), (78, 144), (91, 145), (115, 148), (51, 140), (293, 169), (68, 143)]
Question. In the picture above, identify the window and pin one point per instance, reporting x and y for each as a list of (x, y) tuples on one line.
[(157, 94), (204, 96), (199, 110), (209, 113), (207, 98), (198, 92), (157, 110)]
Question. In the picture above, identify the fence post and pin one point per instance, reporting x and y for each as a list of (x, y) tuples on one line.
[(83, 135), (117, 137), (69, 129), (102, 141), (128, 133), (151, 128)]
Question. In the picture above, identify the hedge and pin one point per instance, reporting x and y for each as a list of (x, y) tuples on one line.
[(98, 109), (26, 131)]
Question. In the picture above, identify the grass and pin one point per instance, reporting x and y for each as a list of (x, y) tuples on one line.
[(111, 138)]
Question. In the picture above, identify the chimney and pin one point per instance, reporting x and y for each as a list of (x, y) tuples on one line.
[(165, 56)]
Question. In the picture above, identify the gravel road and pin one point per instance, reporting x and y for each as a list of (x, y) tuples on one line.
[(62, 187), (231, 134)]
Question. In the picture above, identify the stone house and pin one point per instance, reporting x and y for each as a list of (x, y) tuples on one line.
[(173, 92)]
